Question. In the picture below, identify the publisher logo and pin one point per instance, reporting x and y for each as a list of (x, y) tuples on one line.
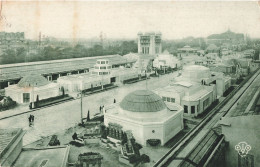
[(243, 148)]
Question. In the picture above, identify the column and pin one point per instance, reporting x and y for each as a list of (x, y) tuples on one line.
[(189, 109), (78, 72), (8, 83), (196, 112), (59, 75)]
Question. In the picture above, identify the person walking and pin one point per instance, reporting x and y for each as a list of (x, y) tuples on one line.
[(29, 120), (32, 119), (114, 100)]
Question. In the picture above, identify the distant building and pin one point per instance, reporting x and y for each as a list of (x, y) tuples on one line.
[(166, 60), (186, 51), (227, 37), (31, 86), (150, 43), (146, 116)]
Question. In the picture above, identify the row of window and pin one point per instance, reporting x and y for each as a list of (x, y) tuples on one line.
[(103, 67), (102, 62), (168, 99), (186, 109), (205, 104), (103, 73), (145, 50)]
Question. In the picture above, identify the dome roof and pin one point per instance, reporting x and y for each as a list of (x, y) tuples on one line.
[(142, 101), (33, 80)]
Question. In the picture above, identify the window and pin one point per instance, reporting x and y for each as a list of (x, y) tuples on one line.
[(206, 103), (164, 98), (173, 100), (109, 67), (102, 62), (168, 99), (98, 62), (96, 67), (193, 109), (106, 62), (102, 67), (100, 73), (185, 109)]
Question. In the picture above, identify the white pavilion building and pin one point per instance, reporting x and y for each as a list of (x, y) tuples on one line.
[(195, 89), (147, 116), (31, 86)]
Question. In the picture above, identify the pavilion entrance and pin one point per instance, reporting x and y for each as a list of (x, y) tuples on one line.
[(26, 97), (113, 80)]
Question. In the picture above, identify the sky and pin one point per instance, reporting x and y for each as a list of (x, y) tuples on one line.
[(174, 19)]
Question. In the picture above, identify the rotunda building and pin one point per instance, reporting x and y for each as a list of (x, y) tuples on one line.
[(31, 86), (147, 116)]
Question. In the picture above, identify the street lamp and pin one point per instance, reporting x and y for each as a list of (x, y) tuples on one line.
[(81, 107)]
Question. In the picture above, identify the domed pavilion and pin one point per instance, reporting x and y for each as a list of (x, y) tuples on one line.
[(31, 86), (147, 116)]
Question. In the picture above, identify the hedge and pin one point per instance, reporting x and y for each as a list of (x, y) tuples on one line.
[(49, 101), (8, 103)]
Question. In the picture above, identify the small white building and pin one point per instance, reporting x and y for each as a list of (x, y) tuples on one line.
[(166, 60), (147, 116), (31, 86)]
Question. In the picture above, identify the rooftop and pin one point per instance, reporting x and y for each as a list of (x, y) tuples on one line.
[(33, 80), (19, 70), (7, 136), (142, 101), (246, 105), (54, 156)]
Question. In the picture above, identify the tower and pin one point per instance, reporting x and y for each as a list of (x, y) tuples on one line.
[(149, 43)]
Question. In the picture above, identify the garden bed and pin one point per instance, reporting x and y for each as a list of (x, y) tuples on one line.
[(50, 101), (6, 103)]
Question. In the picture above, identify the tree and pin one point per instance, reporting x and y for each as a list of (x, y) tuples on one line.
[(37, 100), (88, 118), (63, 91), (145, 158), (124, 138)]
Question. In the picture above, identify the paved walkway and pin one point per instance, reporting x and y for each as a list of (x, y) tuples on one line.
[(17, 110), (62, 116)]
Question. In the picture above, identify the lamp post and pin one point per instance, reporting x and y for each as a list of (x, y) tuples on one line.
[(81, 112)]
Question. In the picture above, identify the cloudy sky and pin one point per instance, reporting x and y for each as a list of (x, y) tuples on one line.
[(125, 19)]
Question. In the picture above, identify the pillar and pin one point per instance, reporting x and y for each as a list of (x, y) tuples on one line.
[(78, 72), (59, 75), (8, 83), (189, 109)]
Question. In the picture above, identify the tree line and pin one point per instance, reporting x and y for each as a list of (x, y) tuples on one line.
[(21, 55)]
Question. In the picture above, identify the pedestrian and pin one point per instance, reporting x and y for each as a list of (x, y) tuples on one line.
[(32, 118), (114, 100), (100, 108)]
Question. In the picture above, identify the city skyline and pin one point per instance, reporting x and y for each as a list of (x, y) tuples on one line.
[(125, 19)]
